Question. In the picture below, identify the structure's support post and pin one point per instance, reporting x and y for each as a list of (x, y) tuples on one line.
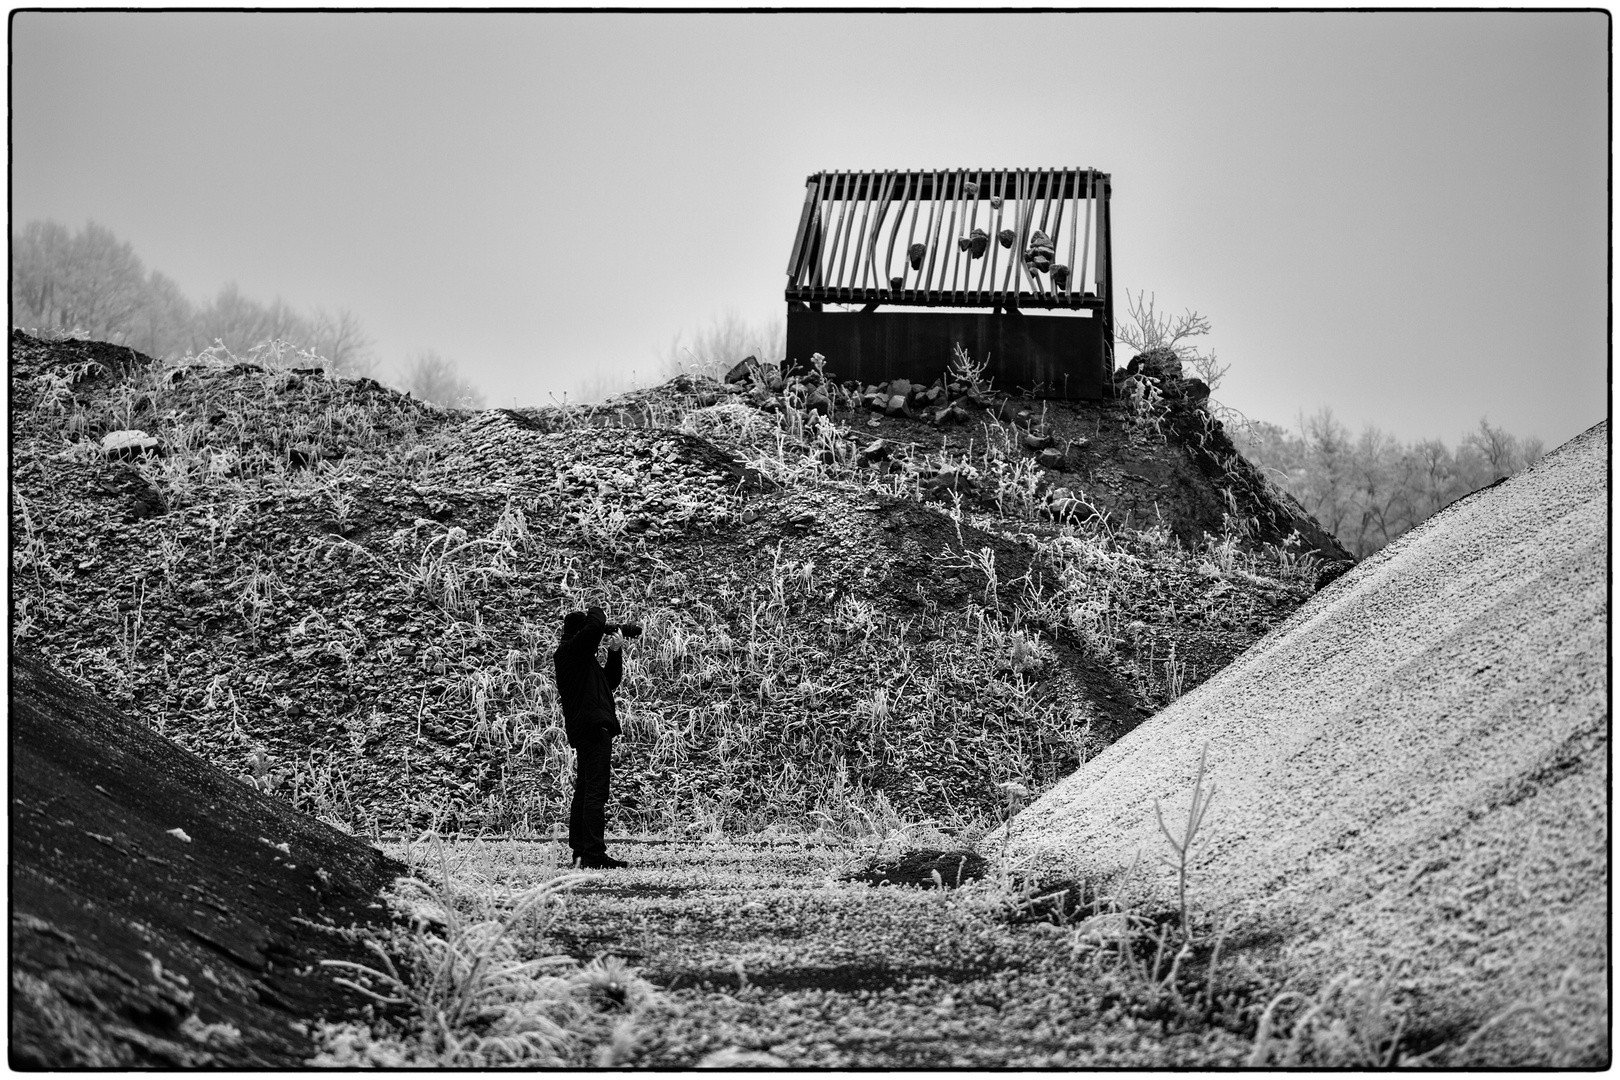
[(1104, 224)]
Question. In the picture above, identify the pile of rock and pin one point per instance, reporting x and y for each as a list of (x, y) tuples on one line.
[(939, 404), (766, 387), (947, 400)]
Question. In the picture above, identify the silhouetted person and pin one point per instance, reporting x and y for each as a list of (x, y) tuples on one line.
[(590, 719)]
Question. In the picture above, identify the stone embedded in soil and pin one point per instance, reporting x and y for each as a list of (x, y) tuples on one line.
[(920, 868), (742, 369), (128, 444)]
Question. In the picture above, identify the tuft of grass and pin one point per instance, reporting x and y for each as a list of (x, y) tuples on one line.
[(464, 994), (1351, 1022)]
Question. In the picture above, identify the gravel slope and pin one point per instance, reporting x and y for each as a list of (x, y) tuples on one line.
[(1412, 768)]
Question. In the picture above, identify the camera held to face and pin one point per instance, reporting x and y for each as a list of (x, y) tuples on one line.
[(629, 629)]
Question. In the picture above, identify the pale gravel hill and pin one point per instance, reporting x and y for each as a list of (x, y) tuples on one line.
[(1413, 767)]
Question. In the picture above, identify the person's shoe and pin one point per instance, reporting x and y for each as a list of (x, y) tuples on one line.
[(599, 862)]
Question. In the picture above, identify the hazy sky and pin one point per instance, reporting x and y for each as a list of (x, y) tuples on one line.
[(1403, 216)]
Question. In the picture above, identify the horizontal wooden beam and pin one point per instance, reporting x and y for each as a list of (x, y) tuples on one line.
[(1070, 181), (948, 299)]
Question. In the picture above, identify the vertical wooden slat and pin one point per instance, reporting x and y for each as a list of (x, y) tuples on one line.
[(911, 234), (863, 207), (888, 261), (818, 235), (1102, 239), (936, 218), (1018, 216), (1057, 227), (995, 233), (1074, 231), (824, 220), (1085, 246), (978, 193), (796, 258), (933, 198), (939, 224), (1045, 288), (890, 181), (869, 242), (1025, 273), (843, 250), (857, 276), (857, 270), (833, 218), (846, 211), (970, 210), (959, 206), (1104, 228)]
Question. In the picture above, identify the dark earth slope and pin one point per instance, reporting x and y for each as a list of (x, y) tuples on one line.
[(162, 913)]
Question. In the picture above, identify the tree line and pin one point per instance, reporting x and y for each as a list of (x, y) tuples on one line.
[(1369, 488), (1365, 489), (93, 284)]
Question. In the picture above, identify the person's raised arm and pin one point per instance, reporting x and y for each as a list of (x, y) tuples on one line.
[(614, 670)]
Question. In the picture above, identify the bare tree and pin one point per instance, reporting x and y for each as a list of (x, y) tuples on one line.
[(39, 255), (1326, 488), (1436, 480), (89, 281), (1498, 448), (1148, 329), (728, 338), (242, 323), (162, 325), (338, 338), (94, 283), (1370, 490), (437, 379)]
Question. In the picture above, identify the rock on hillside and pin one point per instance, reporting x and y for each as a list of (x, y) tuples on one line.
[(162, 914), (1412, 771)]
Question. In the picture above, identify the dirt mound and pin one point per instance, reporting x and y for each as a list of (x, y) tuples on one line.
[(82, 361), (163, 914), (348, 598), (1412, 776), (1155, 457)]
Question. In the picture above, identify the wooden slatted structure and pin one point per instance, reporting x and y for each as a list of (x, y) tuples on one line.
[(845, 246), (1011, 243)]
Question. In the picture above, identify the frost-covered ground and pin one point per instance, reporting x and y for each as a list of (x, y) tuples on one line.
[(1412, 777)]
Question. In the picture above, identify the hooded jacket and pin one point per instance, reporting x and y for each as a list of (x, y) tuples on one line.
[(586, 687)]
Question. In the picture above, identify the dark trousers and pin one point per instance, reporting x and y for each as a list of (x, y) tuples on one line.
[(587, 817)]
